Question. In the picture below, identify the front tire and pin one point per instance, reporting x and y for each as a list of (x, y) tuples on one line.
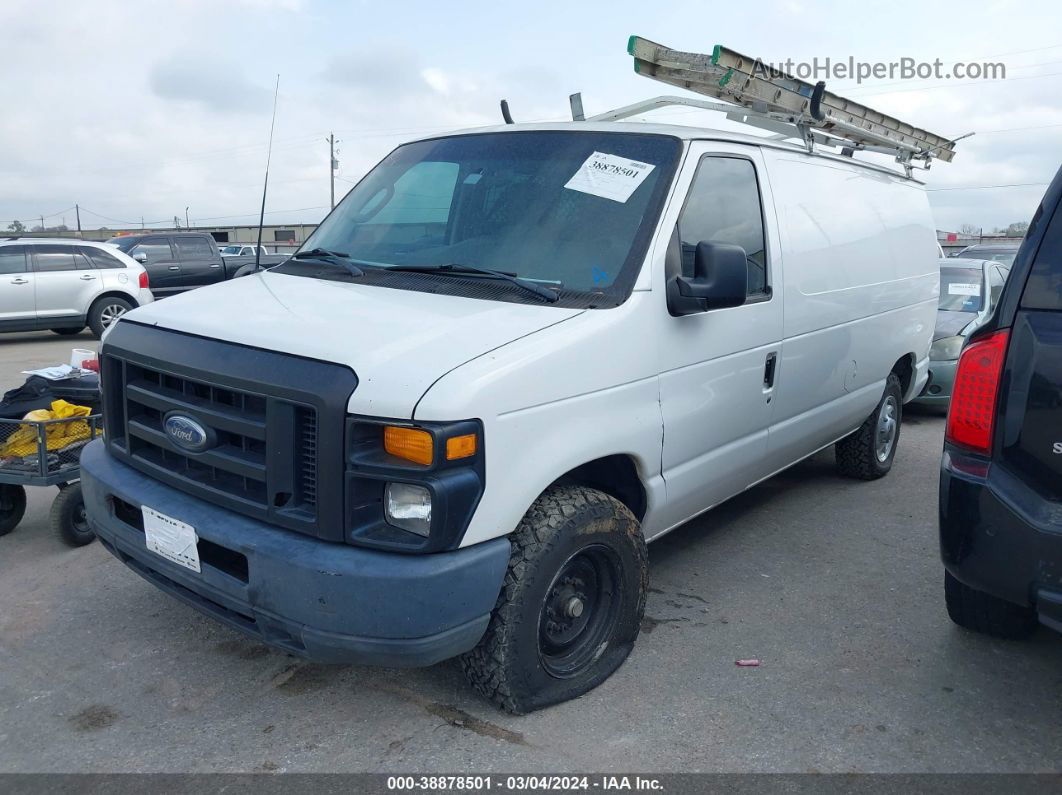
[(105, 312), (981, 612), (12, 507), (868, 453), (571, 604)]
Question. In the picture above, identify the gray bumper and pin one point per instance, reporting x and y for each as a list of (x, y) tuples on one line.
[(937, 391), (324, 601)]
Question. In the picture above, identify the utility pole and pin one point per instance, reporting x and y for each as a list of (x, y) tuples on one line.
[(141, 222), (42, 223), (77, 209), (333, 164), (186, 224)]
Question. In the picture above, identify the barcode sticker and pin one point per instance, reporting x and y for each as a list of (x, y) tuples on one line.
[(609, 176)]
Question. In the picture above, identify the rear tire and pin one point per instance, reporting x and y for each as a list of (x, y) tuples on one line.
[(67, 332), (68, 518), (868, 453), (12, 507), (105, 312), (571, 604), (987, 614)]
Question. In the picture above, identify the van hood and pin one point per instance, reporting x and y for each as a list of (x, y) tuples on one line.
[(398, 342)]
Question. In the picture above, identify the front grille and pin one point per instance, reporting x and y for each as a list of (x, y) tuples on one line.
[(307, 426), (265, 455), (275, 423)]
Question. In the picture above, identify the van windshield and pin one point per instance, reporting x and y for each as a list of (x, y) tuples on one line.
[(961, 289), (572, 211)]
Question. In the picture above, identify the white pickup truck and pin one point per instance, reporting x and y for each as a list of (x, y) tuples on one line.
[(503, 364)]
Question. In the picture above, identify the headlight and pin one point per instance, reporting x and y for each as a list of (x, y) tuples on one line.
[(946, 349), (409, 507)]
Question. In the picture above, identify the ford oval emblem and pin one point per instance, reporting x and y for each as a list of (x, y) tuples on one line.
[(187, 434)]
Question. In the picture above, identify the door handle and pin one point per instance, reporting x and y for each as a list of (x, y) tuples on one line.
[(20, 281), (175, 267), (215, 266), (88, 277), (769, 368)]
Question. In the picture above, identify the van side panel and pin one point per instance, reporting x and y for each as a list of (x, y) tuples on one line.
[(861, 282), (554, 400)]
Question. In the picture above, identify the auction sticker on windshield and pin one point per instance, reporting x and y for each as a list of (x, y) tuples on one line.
[(609, 176), (961, 288), (171, 538)]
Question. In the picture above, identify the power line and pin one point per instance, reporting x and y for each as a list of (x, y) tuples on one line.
[(961, 85), (1018, 129), (990, 187)]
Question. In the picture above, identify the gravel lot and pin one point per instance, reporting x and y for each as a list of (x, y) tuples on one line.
[(834, 585)]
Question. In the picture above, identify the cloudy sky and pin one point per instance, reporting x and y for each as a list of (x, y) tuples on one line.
[(140, 109)]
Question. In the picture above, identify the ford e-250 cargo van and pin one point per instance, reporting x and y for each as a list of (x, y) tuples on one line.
[(506, 361)]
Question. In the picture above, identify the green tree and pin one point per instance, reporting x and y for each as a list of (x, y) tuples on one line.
[(17, 227)]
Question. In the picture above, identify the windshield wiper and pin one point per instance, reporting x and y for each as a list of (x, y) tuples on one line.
[(330, 258), (458, 269)]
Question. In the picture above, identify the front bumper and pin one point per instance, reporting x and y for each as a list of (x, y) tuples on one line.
[(999, 536), (937, 391), (325, 601)]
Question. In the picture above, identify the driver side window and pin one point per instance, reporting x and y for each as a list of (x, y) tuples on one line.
[(724, 206)]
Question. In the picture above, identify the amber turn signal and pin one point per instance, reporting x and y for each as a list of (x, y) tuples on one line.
[(460, 447), (411, 444)]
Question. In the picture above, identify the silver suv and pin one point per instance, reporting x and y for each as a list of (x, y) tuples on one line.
[(65, 285)]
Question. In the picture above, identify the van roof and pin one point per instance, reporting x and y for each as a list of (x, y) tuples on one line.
[(683, 132)]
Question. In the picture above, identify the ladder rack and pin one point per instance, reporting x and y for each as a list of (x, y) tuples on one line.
[(769, 99)]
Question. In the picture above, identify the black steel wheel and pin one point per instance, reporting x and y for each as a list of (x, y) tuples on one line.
[(571, 604), (579, 611), (12, 507)]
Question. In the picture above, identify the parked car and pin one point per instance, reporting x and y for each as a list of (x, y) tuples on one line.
[(995, 253), (244, 264), (1001, 474), (65, 286), (969, 292), (177, 261), (450, 424), (242, 250)]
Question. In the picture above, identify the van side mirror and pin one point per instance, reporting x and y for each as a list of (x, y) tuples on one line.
[(720, 280)]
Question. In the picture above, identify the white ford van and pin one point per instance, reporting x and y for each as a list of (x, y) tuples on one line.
[(504, 363)]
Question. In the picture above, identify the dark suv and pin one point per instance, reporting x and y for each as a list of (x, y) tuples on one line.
[(1001, 474), (176, 261)]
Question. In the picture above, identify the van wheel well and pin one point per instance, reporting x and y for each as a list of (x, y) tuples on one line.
[(615, 475), (904, 369)]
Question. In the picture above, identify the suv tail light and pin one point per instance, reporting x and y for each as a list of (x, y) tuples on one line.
[(972, 414), (143, 280)]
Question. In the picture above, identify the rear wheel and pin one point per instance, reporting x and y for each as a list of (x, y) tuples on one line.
[(987, 614), (571, 604), (12, 507), (105, 312), (68, 518), (68, 332), (868, 453)]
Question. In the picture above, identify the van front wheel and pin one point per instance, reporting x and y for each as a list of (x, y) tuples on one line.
[(571, 604), (868, 453)]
